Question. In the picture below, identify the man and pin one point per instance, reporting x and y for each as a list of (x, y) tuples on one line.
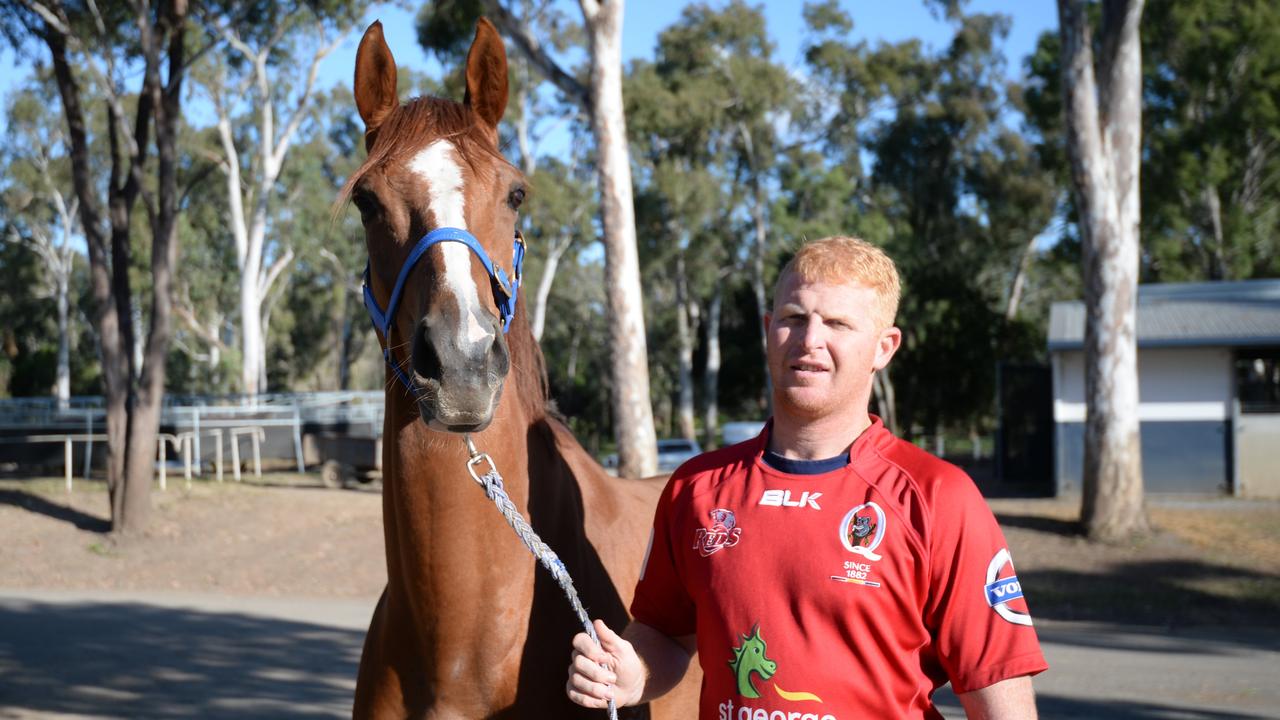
[(825, 570)]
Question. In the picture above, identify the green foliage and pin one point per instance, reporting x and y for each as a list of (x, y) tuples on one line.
[(1211, 125), (936, 155)]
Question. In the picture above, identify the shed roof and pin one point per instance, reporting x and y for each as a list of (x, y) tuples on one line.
[(1222, 314)]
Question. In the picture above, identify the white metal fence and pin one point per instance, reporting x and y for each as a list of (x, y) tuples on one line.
[(192, 421)]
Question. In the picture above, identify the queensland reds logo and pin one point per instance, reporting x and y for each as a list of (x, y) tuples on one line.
[(862, 530), (1003, 588), (721, 534)]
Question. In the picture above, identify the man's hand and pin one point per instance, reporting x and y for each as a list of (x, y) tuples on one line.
[(621, 678)]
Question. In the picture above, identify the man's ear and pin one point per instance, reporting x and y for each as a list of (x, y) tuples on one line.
[(890, 341)]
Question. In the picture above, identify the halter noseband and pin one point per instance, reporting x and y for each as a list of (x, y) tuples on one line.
[(505, 288)]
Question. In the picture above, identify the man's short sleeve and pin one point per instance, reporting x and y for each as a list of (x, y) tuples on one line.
[(662, 600), (975, 612)]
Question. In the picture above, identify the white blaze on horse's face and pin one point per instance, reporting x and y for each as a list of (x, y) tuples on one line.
[(437, 164)]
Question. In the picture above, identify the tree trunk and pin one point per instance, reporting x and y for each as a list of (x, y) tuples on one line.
[(538, 311), (758, 250), (1019, 280), (251, 234), (107, 319), (632, 410), (1103, 119), (1218, 255), (886, 404), (686, 328), (62, 388), (711, 374)]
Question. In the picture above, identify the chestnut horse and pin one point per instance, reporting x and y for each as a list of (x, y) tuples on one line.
[(469, 626)]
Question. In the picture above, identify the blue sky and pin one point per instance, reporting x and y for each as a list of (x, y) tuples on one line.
[(873, 20)]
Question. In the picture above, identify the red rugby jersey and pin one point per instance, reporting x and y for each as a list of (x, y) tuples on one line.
[(855, 593)]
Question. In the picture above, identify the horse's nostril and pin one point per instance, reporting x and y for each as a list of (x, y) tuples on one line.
[(426, 361)]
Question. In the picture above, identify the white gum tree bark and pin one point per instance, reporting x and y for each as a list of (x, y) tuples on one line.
[(632, 410), (250, 200), (602, 99), (1103, 107)]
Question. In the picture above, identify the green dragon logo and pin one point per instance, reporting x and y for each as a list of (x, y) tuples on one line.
[(750, 658)]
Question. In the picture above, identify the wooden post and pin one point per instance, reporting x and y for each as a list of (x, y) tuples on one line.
[(160, 455)]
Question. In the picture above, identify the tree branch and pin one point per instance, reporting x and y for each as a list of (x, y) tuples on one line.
[(531, 47), (282, 148), (273, 272)]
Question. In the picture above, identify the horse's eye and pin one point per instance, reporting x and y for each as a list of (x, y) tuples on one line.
[(364, 201), (515, 198)]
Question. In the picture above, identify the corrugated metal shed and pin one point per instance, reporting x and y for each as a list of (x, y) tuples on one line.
[(1231, 314)]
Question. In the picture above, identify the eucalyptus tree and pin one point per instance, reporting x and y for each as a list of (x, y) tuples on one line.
[(108, 50), (1210, 202), (1211, 147), (560, 225), (724, 56), (38, 196), (951, 192), (596, 91), (261, 102), (1102, 100), (703, 118)]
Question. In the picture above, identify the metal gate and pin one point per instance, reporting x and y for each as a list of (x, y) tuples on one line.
[(1024, 438)]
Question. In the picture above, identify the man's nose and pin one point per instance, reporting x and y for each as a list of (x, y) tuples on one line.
[(815, 334)]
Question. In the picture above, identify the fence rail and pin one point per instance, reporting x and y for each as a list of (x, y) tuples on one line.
[(191, 417), (183, 411)]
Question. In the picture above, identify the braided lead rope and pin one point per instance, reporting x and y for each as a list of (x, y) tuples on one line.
[(491, 483)]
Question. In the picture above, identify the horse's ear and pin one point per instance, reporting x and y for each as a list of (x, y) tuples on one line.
[(375, 84), (487, 74)]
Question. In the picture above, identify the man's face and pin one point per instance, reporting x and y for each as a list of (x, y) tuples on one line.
[(823, 345)]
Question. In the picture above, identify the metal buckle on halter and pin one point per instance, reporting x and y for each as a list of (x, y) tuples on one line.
[(517, 259), (475, 458)]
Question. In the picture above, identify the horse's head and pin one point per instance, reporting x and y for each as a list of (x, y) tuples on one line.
[(438, 203)]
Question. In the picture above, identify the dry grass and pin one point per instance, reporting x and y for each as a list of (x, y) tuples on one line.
[(1208, 562)]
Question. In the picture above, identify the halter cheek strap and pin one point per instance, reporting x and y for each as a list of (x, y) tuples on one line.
[(505, 288)]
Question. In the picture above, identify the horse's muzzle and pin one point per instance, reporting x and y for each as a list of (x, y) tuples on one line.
[(459, 380)]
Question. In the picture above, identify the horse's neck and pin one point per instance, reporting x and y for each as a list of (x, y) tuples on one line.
[(445, 538)]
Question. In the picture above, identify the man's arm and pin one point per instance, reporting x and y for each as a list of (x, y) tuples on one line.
[(639, 666), (1011, 699)]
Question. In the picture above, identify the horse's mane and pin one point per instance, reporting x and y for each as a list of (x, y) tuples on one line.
[(529, 367)]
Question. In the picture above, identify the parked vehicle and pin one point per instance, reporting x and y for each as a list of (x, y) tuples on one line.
[(732, 433), (671, 453)]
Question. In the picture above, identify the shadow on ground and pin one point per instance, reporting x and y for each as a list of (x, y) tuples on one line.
[(133, 661), (37, 504), (1037, 523), (1057, 707), (1053, 707)]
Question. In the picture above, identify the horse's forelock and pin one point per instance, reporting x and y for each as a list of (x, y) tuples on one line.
[(416, 123)]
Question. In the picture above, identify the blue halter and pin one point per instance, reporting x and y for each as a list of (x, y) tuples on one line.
[(506, 288)]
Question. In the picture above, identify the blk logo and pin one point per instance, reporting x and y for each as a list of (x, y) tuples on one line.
[(782, 498)]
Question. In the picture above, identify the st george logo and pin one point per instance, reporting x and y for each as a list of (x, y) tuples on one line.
[(751, 661), (782, 498)]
